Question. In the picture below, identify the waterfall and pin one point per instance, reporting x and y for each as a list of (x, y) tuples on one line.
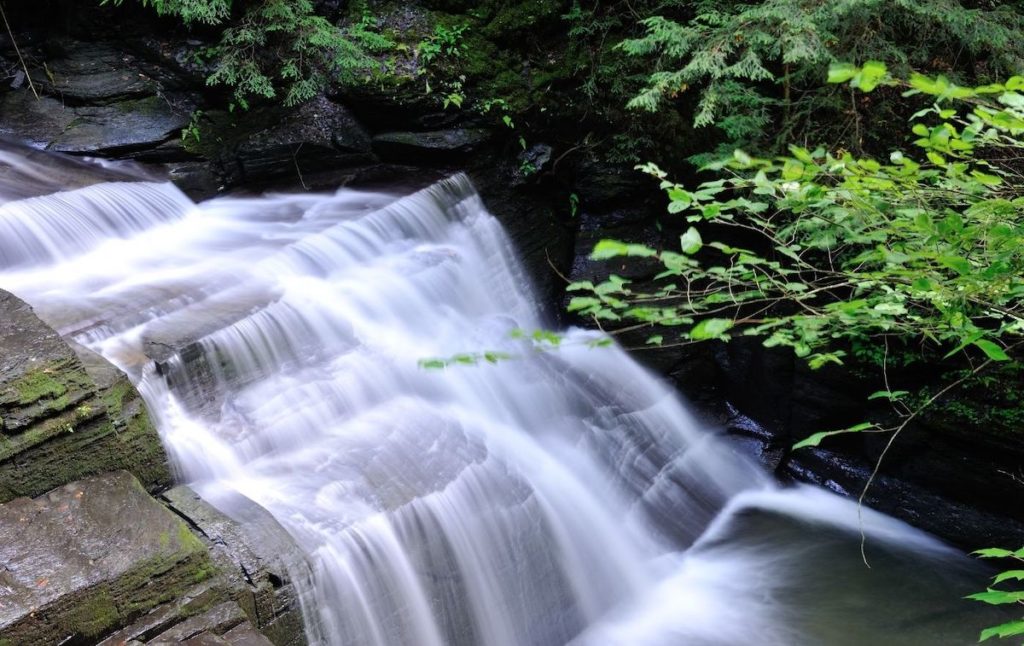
[(556, 495)]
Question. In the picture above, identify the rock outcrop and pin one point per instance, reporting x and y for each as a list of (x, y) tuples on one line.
[(62, 418), (89, 556), (86, 552)]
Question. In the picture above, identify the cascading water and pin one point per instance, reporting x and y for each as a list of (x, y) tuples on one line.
[(555, 496)]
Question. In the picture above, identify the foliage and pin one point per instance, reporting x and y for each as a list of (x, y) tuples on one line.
[(752, 65), (210, 12), (276, 48), (998, 596), (924, 247), (445, 41)]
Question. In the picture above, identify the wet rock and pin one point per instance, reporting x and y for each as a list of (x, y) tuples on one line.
[(37, 122), (123, 126), (191, 603), (195, 179), (89, 556), (431, 146), (62, 418), (38, 172), (93, 73), (533, 160), (211, 624), (258, 557), (316, 136)]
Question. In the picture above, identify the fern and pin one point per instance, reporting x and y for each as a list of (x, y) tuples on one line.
[(749, 63), (277, 49)]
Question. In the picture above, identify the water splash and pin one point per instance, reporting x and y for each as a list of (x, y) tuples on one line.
[(558, 496)]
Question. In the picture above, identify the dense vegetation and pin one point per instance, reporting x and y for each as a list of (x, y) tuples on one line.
[(657, 80)]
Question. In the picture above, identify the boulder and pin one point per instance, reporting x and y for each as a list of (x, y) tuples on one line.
[(62, 418), (36, 122), (312, 137), (89, 556), (122, 127)]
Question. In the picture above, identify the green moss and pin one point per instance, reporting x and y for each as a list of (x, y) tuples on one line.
[(189, 541), (204, 572), (93, 616), (114, 397), (37, 384)]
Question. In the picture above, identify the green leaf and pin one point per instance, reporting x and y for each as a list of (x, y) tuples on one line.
[(432, 364), (655, 340), (891, 395), (606, 249), (1015, 575), (815, 439), (956, 263), (690, 242), (580, 285), (997, 597), (993, 553), (547, 336), (992, 350), (710, 329), (1009, 629), (841, 72), (583, 302), (870, 76)]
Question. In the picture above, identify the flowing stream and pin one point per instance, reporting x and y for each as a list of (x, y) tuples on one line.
[(560, 495)]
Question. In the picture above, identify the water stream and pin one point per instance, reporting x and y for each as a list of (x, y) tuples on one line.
[(557, 496)]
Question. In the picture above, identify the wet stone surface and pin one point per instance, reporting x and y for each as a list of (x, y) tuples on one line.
[(89, 556)]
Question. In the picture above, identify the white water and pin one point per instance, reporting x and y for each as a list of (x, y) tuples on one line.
[(557, 496)]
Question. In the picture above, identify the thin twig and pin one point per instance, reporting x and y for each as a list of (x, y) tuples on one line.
[(17, 51), (892, 438)]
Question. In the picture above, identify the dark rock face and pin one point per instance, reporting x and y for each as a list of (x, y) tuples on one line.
[(93, 73), (936, 477), (64, 418), (87, 556), (258, 558), (98, 100), (431, 146), (318, 134), (37, 122), (125, 126)]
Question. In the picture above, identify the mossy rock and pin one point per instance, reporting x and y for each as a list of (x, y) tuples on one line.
[(89, 557), (64, 418)]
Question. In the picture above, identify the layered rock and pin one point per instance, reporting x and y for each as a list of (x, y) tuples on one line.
[(89, 556), (64, 418), (86, 553)]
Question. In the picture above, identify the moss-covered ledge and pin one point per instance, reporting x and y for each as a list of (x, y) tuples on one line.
[(88, 557), (66, 415)]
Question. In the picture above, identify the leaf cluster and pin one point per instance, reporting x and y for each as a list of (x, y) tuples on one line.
[(999, 596), (925, 246)]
